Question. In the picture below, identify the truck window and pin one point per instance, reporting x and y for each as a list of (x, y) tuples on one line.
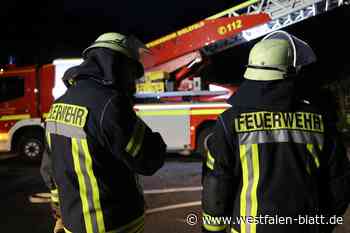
[(11, 88)]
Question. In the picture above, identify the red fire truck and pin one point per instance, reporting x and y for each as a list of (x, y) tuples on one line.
[(25, 96), (27, 93), (173, 99)]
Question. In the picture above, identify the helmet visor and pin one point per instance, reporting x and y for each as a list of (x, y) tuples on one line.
[(303, 54)]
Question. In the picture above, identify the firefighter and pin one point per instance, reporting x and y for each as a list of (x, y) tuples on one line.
[(274, 162), (97, 143)]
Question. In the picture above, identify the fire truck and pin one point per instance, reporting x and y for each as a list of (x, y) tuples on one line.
[(27, 93), (171, 98)]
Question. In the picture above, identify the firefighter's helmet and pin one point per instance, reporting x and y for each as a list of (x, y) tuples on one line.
[(130, 46), (277, 56)]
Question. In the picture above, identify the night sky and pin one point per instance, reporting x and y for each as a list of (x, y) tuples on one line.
[(32, 29), (38, 32)]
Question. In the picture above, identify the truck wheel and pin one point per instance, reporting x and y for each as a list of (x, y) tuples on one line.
[(31, 147), (202, 139)]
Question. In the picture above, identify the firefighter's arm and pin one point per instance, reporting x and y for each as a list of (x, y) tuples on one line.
[(337, 173), (335, 179), (146, 149), (130, 138), (218, 183), (47, 174), (46, 170)]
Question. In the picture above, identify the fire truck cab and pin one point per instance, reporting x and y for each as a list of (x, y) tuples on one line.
[(27, 93)]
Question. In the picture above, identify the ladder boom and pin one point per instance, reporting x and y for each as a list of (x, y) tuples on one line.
[(209, 34), (283, 13)]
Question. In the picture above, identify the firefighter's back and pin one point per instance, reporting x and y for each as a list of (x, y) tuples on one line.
[(98, 190), (279, 153), (275, 151)]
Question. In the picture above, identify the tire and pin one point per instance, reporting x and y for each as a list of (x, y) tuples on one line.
[(31, 147), (202, 138)]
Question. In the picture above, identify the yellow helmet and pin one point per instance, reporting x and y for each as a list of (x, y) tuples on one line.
[(277, 56)]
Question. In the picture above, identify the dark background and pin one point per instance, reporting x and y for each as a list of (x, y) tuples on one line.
[(38, 32)]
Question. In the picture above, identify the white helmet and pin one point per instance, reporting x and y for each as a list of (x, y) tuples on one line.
[(277, 56)]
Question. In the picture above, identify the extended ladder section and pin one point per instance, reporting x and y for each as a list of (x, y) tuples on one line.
[(234, 26), (283, 13), (180, 51)]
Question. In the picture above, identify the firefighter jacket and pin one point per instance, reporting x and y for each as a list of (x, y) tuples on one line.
[(97, 147), (274, 164)]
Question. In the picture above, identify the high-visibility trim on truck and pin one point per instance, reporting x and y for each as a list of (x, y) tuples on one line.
[(207, 111), (45, 115), (4, 136), (180, 109), (14, 117)]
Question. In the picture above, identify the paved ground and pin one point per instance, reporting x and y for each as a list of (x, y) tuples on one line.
[(19, 180), (171, 195), (174, 175)]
